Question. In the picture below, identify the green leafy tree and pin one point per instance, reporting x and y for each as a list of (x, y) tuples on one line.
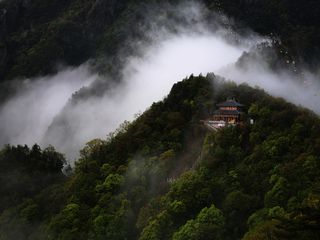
[(209, 224)]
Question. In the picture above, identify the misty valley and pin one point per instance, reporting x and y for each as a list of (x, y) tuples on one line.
[(159, 120)]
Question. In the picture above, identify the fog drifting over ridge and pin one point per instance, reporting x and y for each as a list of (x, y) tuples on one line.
[(147, 79), (42, 113), (25, 117), (302, 90)]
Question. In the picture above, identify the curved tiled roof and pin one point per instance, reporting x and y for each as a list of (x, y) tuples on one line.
[(227, 112), (230, 103)]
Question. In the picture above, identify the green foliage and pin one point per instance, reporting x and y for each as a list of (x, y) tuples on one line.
[(66, 225), (156, 228), (111, 184), (236, 207), (73, 31), (209, 224), (294, 22), (164, 176), (30, 186), (25, 172), (278, 195), (267, 230)]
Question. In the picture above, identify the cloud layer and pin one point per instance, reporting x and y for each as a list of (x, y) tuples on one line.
[(147, 79), (25, 118), (301, 88), (42, 111)]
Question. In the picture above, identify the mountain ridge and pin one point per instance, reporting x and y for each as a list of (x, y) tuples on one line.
[(141, 183), (73, 31)]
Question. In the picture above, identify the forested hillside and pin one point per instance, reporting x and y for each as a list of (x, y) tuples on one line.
[(70, 32), (294, 23), (165, 176)]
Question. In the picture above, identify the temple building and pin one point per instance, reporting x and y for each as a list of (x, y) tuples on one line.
[(229, 112)]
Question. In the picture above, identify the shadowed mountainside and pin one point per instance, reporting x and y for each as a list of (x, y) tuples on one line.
[(164, 176), (72, 31)]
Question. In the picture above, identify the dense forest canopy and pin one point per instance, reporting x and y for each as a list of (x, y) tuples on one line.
[(72, 31), (165, 176)]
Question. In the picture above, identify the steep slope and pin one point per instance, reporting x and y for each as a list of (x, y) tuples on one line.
[(294, 23), (35, 36), (165, 176), (72, 31), (24, 173)]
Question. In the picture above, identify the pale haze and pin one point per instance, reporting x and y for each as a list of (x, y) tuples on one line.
[(25, 118), (42, 113), (147, 79)]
